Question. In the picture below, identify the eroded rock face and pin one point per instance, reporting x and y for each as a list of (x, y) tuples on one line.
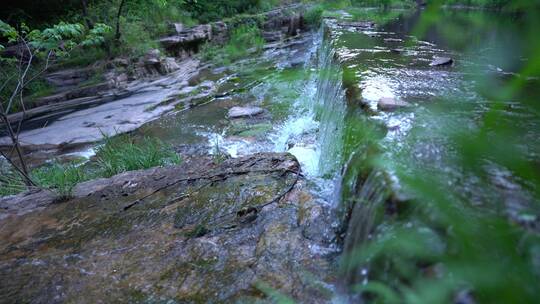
[(187, 41), (155, 63), (278, 23), (211, 234)]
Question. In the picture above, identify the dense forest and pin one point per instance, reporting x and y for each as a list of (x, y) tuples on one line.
[(281, 151)]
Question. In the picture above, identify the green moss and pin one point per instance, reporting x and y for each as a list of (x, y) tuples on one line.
[(246, 130), (278, 108)]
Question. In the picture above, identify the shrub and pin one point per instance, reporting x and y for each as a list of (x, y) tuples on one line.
[(244, 39), (136, 39), (313, 16), (207, 11)]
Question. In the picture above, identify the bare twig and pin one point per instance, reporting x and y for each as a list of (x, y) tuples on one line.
[(20, 83), (22, 173), (16, 145), (47, 62), (14, 136)]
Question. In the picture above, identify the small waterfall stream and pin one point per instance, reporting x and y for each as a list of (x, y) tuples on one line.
[(329, 105), (307, 110)]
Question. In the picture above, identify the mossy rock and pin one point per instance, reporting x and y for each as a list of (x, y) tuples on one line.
[(244, 129)]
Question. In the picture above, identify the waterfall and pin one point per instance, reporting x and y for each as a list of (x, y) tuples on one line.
[(361, 191), (329, 107), (365, 206)]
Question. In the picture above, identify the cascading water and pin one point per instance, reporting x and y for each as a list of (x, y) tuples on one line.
[(320, 109), (365, 204), (329, 105)]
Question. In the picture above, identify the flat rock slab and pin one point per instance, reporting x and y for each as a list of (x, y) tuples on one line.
[(143, 103), (210, 235), (390, 104), (441, 61), (239, 112)]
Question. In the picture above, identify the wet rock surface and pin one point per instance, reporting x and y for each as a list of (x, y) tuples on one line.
[(391, 104), (237, 112), (198, 232), (83, 120), (441, 61)]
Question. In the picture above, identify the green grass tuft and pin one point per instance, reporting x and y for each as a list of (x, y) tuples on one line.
[(61, 178), (122, 153), (117, 155)]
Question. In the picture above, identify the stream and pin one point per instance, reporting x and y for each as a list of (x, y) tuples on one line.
[(320, 93), (309, 116)]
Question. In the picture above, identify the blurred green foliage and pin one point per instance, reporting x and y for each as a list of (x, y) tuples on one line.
[(442, 245)]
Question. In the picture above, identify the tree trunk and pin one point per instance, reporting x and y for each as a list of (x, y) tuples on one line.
[(87, 19), (118, 34)]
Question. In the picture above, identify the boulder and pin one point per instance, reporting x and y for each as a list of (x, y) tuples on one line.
[(284, 20), (441, 61), (69, 78), (238, 112), (177, 28), (295, 24), (169, 65), (155, 63), (152, 57), (391, 104), (220, 32), (121, 62), (200, 232)]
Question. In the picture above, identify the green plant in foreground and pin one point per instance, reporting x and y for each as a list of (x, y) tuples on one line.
[(447, 244)]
